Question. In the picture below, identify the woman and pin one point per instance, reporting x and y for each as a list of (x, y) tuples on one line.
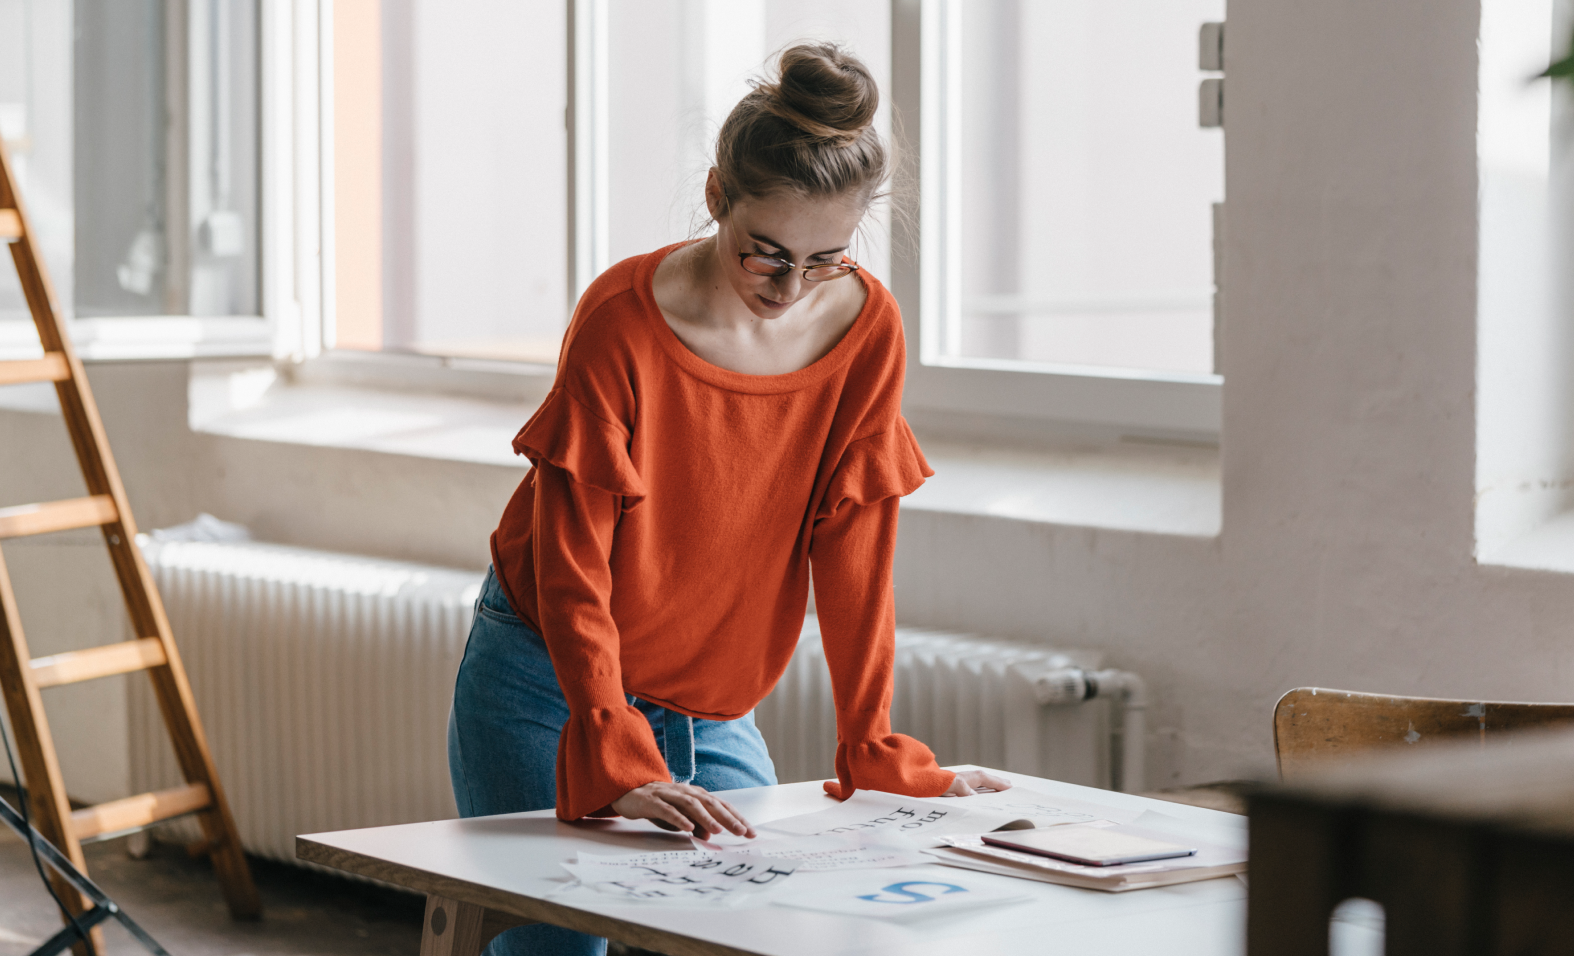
[(726, 415)]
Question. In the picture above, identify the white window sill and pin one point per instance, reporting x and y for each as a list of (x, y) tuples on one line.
[(1152, 488), (1127, 486), (1134, 401), (145, 337), (1549, 547), (253, 402)]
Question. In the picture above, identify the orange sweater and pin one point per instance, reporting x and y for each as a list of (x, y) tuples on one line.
[(662, 543)]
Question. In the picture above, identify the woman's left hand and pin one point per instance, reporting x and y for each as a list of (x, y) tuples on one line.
[(969, 782)]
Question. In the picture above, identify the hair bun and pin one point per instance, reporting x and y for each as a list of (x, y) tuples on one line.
[(824, 91)]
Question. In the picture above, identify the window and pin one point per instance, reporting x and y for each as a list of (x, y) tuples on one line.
[(475, 194), (35, 121), (676, 69), (166, 212), (478, 191), (1086, 186), (135, 127), (449, 177), (444, 178), (1057, 254)]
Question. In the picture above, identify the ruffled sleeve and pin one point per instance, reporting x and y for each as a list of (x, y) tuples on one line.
[(595, 452), (852, 550), (872, 469), (607, 747)]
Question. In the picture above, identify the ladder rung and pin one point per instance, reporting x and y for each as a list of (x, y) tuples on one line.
[(51, 368), (10, 225), (73, 667), (24, 520), (133, 813)]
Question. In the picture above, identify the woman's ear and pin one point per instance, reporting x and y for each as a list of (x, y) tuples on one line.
[(715, 196)]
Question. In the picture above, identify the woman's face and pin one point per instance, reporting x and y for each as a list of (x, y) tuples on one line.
[(785, 226)]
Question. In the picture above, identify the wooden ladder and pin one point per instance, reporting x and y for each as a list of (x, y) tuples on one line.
[(153, 650)]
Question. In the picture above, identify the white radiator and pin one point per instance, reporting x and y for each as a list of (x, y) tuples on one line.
[(1008, 704), (323, 681)]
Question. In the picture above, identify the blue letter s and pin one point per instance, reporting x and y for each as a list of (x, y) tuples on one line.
[(912, 897)]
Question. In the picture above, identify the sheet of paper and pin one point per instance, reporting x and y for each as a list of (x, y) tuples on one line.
[(883, 898), (681, 877), (1041, 808), (887, 815), (1228, 834), (835, 851)]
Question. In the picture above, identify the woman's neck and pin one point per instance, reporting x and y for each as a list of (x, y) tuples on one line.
[(706, 315)]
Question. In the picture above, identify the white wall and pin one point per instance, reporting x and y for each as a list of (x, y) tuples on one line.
[(1349, 454), (1349, 450)]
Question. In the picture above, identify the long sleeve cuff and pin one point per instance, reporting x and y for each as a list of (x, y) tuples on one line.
[(893, 763), (604, 752)]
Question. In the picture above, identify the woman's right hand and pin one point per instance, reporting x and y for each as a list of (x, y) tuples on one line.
[(682, 806)]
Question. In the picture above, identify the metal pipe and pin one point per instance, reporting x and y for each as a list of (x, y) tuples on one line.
[(1073, 685), (1132, 693)]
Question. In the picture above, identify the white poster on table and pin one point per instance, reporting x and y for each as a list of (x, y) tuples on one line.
[(909, 897)]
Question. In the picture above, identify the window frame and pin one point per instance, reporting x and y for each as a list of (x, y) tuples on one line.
[(1042, 397), (310, 334), (1037, 398), (288, 198)]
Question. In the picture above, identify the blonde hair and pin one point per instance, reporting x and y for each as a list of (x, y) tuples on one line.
[(810, 132)]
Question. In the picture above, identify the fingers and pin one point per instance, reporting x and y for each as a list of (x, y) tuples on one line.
[(710, 812), (683, 807), (984, 780), (993, 781), (668, 817), (730, 818), (695, 809), (968, 782)]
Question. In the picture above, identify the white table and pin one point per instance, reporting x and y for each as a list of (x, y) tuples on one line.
[(484, 874)]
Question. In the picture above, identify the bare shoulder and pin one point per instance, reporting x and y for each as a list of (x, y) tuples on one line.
[(854, 293), (674, 284), (842, 304)]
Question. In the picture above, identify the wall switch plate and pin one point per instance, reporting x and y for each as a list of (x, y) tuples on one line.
[(1210, 104), (1210, 47)]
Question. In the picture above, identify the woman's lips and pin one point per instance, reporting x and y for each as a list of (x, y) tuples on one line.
[(771, 303)]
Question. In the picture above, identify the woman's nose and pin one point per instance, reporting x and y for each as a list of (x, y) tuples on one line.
[(787, 286)]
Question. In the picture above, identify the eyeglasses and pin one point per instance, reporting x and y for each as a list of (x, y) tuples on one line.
[(776, 268)]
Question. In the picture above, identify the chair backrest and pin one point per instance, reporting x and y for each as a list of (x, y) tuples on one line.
[(1316, 726)]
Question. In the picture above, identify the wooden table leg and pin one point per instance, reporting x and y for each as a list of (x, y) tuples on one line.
[(455, 928)]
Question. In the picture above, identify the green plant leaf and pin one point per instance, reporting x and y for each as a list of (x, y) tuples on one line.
[(1563, 67)]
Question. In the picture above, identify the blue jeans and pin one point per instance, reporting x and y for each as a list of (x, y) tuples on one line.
[(502, 745)]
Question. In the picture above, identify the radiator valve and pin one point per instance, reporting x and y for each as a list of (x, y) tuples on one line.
[(1062, 685)]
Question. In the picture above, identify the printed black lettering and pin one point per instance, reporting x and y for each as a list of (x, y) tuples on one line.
[(769, 875)]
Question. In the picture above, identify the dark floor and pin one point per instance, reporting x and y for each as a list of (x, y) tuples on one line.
[(176, 900)]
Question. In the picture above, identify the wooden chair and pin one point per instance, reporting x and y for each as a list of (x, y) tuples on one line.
[(1466, 846), (1323, 728)]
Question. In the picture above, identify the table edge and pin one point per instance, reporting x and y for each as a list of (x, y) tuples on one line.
[(531, 908)]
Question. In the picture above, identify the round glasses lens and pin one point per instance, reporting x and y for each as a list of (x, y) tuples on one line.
[(824, 273), (766, 266)]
